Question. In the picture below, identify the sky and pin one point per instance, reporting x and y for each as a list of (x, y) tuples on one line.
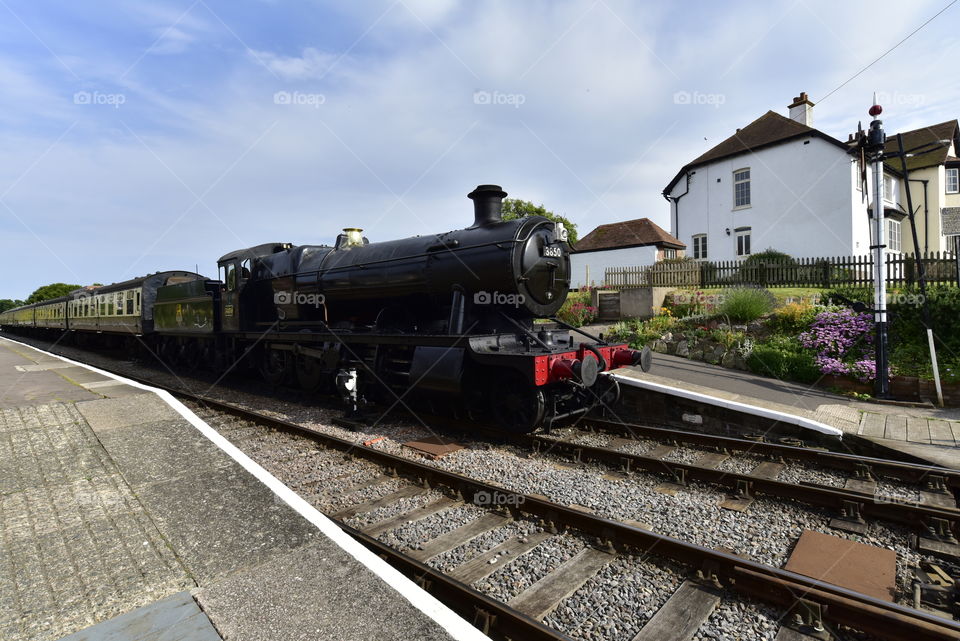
[(144, 136)]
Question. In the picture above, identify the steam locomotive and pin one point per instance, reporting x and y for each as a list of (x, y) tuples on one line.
[(451, 321)]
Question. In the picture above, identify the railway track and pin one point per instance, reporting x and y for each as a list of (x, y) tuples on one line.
[(935, 516), (604, 542), (713, 569)]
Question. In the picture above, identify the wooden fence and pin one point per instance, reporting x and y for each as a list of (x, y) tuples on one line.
[(941, 267)]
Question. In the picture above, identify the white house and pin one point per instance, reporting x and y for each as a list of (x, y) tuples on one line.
[(777, 183), (934, 181), (631, 243)]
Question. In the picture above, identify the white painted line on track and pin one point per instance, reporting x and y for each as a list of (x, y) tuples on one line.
[(746, 408), (453, 623)]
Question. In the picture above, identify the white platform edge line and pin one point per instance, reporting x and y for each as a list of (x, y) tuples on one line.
[(763, 412), (446, 618)]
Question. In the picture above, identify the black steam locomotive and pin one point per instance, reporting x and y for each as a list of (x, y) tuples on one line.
[(448, 321)]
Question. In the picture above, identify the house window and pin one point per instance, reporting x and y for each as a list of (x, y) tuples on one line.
[(669, 253), (743, 241), (888, 189), (893, 234), (741, 188), (700, 246), (953, 180)]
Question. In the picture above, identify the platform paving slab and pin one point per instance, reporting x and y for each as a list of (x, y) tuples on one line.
[(313, 592), (30, 377), (76, 545), (112, 504), (175, 618)]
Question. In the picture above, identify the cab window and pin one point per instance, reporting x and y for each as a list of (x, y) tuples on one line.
[(231, 279)]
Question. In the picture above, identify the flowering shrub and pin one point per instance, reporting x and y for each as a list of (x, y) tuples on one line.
[(843, 341), (577, 314)]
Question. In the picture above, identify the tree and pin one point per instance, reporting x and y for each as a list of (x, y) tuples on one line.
[(514, 208), (7, 303), (54, 290)]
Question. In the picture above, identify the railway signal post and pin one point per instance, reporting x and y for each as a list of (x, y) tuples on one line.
[(874, 148)]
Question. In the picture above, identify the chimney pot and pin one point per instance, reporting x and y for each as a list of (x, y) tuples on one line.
[(801, 110)]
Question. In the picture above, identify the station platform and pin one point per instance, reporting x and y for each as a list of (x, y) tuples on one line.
[(122, 518), (926, 435)]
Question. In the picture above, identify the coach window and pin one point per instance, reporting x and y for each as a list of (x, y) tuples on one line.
[(245, 269), (129, 303), (136, 309)]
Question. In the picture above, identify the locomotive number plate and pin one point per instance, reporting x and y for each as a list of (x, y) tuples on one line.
[(552, 251)]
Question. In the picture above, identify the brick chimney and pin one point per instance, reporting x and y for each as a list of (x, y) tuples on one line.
[(801, 110)]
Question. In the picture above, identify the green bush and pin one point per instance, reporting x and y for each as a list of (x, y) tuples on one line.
[(856, 293), (768, 256), (793, 318), (745, 304), (785, 364)]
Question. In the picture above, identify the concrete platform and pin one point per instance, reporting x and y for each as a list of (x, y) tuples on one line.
[(113, 504), (923, 435)]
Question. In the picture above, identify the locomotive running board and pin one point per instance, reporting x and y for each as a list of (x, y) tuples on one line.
[(698, 411)]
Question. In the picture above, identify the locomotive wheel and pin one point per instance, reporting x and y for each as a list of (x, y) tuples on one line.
[(309, 373), (275, 366), (518, 406)]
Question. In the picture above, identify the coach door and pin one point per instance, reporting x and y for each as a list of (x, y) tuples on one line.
[(230, 295)]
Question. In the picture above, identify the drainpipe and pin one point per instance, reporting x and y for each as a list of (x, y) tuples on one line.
[(926, 212), (676, 201)]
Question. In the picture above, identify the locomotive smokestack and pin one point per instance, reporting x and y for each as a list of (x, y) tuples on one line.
[(487, 204)]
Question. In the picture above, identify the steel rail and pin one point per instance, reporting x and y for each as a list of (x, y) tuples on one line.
[(903, 471), (914, 514), (784, 588)]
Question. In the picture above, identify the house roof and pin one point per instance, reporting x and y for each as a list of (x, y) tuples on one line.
[(769, 129), (934, 156), (629, 233)]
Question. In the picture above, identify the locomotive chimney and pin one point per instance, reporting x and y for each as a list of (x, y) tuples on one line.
[(487, 203)]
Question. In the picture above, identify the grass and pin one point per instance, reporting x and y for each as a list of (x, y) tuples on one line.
[(780, 293)]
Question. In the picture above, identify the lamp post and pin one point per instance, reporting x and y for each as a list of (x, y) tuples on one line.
[(874, 148)]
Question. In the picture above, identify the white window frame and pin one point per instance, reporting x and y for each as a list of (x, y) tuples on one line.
[(668, 253), (742, 181), (744, 232), (952, 175), (894, 235), (700, 249), (889, 187)]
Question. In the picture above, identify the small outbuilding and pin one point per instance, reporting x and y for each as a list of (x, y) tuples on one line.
[(631, 243)]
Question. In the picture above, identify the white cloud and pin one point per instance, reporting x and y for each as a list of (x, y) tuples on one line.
[(310, 64), (399, 117)]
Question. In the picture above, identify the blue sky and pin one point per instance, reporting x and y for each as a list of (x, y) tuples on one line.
[(136, 137)]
